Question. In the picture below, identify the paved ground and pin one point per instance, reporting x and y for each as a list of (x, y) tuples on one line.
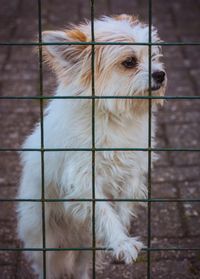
[(176, 174)]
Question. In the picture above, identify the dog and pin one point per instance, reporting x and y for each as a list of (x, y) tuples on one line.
[(119, 70)]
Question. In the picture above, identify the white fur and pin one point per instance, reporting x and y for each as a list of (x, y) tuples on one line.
[(118, 174)]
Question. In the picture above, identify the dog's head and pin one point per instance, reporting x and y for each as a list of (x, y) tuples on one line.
[(119, 70)]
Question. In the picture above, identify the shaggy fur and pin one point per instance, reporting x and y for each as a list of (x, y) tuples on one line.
[(119, 123)]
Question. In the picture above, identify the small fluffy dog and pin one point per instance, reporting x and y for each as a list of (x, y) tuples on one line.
[(120, 70)]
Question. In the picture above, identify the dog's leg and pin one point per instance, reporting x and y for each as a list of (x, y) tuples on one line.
[(108, 225), (81, 267), (110, 229), (30, 231)]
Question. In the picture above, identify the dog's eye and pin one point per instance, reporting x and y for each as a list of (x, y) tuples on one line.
[(130, 62)]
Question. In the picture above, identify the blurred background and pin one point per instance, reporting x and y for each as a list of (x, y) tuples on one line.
[(175, 175)]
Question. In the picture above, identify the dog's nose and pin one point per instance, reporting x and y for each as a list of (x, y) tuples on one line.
[(159, 76)]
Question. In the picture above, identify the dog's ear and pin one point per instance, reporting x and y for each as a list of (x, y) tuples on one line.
[(63, 52)]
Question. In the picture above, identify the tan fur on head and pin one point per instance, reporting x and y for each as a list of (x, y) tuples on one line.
[(131, 18), (76, 35)]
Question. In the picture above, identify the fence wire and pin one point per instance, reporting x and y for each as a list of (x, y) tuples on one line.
[(149, 151), (149, 249), (42, 135), (93, 144)]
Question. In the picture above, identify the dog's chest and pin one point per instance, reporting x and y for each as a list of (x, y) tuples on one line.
[(123, 173)]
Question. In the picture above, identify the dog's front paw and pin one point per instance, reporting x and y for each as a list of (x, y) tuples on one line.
[(127, 249)]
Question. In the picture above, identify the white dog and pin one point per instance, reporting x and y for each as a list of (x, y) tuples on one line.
[(120, 70)]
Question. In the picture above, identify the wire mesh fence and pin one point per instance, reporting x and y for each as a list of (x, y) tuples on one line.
[(149, 249)]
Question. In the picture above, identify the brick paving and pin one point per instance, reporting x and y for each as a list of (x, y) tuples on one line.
[(176, 174)]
